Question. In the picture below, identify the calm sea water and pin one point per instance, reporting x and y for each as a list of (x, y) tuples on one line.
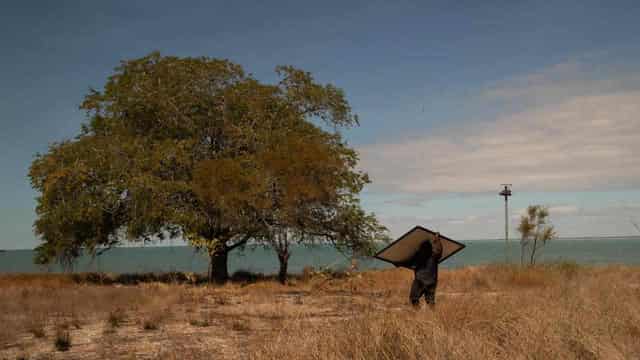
[(180, 258)]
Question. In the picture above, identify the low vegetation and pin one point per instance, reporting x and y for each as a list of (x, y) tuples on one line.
[(116, 317), (497, 312), (62, 341), (535, 231)]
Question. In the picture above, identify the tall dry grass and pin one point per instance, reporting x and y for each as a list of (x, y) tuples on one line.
[(498, 312), (560, 311)]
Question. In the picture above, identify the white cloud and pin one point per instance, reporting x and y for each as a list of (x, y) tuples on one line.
[(563, 210), (570, 220), (554, 211), (576, 130), (466, 220), (582, 143), (554, 84)]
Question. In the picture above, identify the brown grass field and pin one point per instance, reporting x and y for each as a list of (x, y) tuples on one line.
[(559, 311)]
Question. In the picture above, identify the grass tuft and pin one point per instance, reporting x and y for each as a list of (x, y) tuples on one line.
[(150, 324), (153, 319), (200, 322), (116, 317), (240, 325), (62, 341), (36, 329)]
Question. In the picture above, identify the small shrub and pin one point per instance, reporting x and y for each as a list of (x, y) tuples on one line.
[(307, 273), (221, 300), (154, 316), (244, 276), (152, 321), (203, 320), (479, 282), (116, 317), (35, 323), (150, 324), (239, 325), (76, 321), (580, 350), (191, 277), (36, 329), (98, 278), (568, 268), (62, 341), (200, 322)]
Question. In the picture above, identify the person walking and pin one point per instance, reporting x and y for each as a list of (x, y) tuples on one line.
[(425, 266)]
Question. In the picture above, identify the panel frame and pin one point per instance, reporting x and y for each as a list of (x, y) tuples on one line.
[(418, 227)]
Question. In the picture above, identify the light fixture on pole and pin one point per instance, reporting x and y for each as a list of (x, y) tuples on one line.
[(506, 192)]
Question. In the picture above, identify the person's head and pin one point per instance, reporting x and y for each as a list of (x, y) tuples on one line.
[(426, 247)]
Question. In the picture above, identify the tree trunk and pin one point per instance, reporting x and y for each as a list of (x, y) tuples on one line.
[(218, 265), (284, 262), (533, 251)]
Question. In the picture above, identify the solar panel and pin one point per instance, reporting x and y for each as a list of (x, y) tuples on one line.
[(408, 244)]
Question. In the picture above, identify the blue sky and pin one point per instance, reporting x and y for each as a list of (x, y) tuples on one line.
[(454, 99)]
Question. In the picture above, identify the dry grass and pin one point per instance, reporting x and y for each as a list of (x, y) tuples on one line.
[(116, 317), (495, 312), (498, 312), (62, 341)]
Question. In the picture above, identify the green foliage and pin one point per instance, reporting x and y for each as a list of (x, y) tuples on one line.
[(194, 147), (535, 232)]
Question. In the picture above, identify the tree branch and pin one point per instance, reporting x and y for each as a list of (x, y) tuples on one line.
[(240, 243)]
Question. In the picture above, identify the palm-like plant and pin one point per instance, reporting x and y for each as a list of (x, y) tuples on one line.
[(535, 231)]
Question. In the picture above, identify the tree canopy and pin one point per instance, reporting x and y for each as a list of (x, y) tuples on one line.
[(196, 148), (535, 230)]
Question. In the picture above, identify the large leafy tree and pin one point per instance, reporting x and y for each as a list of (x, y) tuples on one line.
[(309, 195), (191, 147)]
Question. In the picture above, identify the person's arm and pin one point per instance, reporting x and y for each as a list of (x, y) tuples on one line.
[(411, 263), (436, 246)]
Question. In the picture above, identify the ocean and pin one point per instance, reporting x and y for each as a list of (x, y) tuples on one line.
[(596, 251)]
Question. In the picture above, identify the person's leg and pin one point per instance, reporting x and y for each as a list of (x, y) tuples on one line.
[(430, 295), (417, 289)]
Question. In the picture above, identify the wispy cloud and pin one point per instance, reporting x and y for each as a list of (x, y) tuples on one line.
[(458, 227), (592, 74), (569, 219), (563, 210), (582, 140), (554, 211)]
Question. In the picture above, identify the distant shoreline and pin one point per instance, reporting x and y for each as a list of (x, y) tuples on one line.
[(564, 238)]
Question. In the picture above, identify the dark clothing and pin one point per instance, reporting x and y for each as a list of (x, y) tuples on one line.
[(425, 265), (419, 288)]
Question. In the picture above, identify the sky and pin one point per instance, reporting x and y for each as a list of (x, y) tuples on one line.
[(454, 98)]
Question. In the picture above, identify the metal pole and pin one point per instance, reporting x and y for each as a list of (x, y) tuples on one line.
[(506, 228), (506, 192)]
